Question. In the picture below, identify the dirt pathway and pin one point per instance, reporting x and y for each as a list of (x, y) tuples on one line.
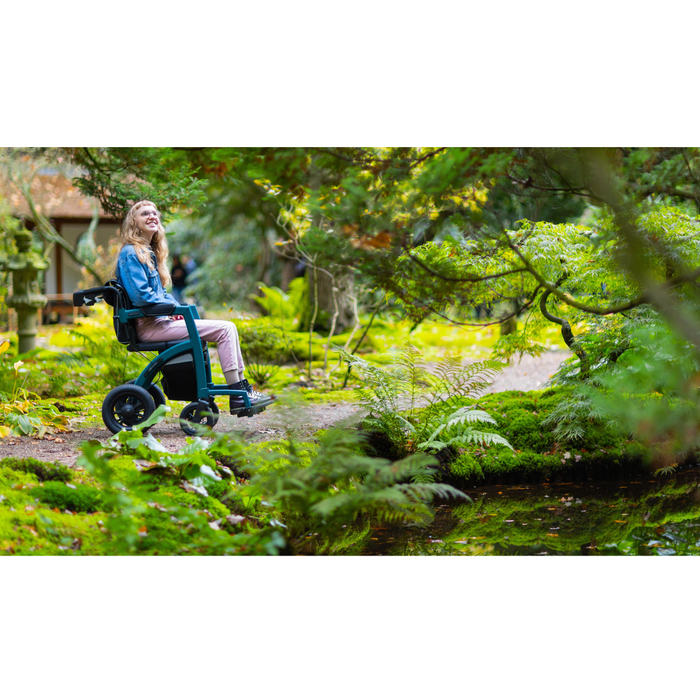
[(304, 420)]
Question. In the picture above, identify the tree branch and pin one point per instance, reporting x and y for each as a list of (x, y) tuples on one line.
[(47, 231), (647, 297), (482, 278), (566, 331)]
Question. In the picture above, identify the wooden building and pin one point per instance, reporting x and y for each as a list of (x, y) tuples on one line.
[(70, 213)]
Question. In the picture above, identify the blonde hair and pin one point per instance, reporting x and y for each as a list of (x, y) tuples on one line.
[(131, 235)]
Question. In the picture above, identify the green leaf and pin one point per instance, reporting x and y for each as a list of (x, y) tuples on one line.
[(25, 425)]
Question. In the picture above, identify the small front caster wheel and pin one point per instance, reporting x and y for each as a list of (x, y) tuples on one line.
[(214, 411), (198, 413)]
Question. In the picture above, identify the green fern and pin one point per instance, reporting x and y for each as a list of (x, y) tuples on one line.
[(341, 486), (571, 417), (282, 307), (458, 432), (407, 402)]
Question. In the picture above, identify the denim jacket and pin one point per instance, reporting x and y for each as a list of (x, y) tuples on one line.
[(142, 284)]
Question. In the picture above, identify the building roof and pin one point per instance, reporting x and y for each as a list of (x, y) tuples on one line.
[(55, 197)]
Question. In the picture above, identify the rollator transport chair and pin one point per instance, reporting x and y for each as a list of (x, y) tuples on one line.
[(184, 365)]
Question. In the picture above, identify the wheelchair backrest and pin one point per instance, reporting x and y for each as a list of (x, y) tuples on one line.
[(115, 295)]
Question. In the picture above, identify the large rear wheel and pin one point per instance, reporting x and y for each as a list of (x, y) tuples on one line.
[(126, 406), (156, 393)]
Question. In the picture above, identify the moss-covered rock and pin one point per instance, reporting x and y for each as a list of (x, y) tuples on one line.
[(42, 470), (78, 498), (537, 455), (466, 466)]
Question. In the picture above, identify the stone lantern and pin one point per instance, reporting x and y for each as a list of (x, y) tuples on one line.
[(26, 297)]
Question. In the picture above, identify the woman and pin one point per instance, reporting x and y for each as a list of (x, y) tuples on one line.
[(142, 270)]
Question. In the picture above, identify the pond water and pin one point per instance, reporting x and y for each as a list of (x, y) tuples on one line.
[(657, 516)]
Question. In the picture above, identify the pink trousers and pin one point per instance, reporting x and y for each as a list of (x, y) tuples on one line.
[(161, 328)]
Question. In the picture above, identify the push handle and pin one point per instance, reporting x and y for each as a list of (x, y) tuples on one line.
[(88, 297)]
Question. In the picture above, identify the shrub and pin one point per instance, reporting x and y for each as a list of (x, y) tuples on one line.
[(285, 308), (262, 349)]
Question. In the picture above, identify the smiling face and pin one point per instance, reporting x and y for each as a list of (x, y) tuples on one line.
[(147, 221)]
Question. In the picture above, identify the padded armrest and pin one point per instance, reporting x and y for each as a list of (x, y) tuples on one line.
[(164, 309)]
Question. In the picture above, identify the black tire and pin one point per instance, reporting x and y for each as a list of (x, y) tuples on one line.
[(192, 416), (126, 406), (215, 411), (156, 394)]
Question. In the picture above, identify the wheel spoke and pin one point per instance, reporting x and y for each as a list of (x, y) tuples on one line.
[(134, 402)]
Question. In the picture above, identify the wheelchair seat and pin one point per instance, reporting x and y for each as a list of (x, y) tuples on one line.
[(115, 295)]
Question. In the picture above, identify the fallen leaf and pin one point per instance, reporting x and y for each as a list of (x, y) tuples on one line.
[(158, 506)]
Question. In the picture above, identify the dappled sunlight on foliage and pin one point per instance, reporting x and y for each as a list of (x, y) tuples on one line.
[(439, 265)]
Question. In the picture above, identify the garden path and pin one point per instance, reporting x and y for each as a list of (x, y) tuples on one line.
[(302, 419)]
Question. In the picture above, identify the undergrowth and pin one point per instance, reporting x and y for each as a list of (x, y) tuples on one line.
[(406, 402), (132, 496)]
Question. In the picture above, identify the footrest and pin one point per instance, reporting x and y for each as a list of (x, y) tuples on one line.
[(248, 412)]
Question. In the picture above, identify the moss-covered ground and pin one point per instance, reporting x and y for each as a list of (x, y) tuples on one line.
[(537, 455), (49, 509)]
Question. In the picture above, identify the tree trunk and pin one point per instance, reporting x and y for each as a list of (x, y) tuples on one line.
[(289, 272), (335, 290), (343, 281)]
